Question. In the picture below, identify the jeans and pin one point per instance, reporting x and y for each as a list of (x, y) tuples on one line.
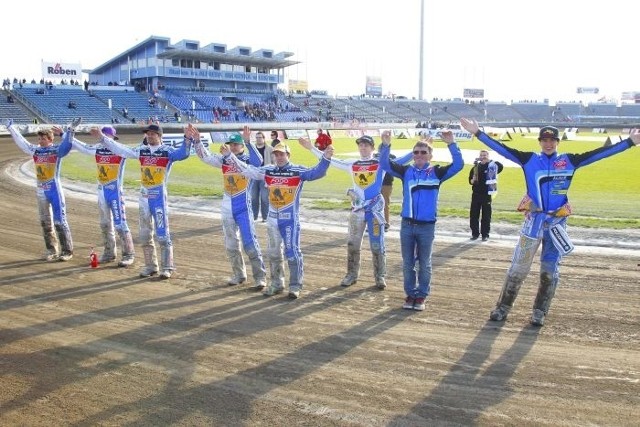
[(416, 244), (259, 199)]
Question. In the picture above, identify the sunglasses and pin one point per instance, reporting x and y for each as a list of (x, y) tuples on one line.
[(416, 152)]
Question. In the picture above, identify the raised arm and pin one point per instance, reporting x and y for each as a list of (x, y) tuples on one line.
[(249, 171), (202, 152), (118, 148), (340, 164), (20, 140)]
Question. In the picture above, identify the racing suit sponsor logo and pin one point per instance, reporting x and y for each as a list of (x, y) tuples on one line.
[(234, 181), (114, 210), (46, 166), (159, 218), (364, 175), (560, 164)]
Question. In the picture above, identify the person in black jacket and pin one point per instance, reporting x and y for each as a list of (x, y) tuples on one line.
[(483, 178)]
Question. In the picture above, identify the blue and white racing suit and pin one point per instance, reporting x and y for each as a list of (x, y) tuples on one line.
[(367, 213), (155, 166), (237, 214), (110, 173), (283, 225), (546, 209), (49, 192)]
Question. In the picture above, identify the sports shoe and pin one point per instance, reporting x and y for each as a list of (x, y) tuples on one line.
[(148, 271), (474, 238), (537, 317), (499, 314), (234, 281), (294, 293), (408, 303), (66, 256), (419, 304), (272, 290), (348, 280), (259, 285), (50, 256), (485, 238), (126, 261), (104, 258), (381, 283), (166, 274)]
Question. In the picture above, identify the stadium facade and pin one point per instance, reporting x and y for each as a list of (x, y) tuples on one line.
[(156, 63)]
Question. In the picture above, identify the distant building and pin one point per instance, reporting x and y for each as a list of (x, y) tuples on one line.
[(155, 64)]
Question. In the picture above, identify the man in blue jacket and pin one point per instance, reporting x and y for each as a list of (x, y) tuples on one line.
[(420, 188)]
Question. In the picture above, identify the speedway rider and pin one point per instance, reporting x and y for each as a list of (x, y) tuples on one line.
[(548, 175), (367, 208), (236, 210), (284, 182), (156, 160), (46, 158), (110, 173)]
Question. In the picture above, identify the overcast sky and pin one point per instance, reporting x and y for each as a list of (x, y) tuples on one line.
[(513, 50)]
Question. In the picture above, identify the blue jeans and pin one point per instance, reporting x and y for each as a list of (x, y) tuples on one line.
[(416, 243)]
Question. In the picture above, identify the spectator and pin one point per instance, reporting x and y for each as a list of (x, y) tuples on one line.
[(323, 140), (274, 138), (483, 178), (259, 191)]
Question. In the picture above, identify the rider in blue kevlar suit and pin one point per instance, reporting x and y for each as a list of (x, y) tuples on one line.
[(284, 182), (156, 160), (236, 211), (548, 175), (367, 208), (110, 173), (51, 202)]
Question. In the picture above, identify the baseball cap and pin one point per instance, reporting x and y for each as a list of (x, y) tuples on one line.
[(283, 148), (365, 138), (153, 128), (235, 139), (110, 131), (549, 132)]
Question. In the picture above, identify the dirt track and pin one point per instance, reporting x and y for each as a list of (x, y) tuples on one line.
[(103, 347)]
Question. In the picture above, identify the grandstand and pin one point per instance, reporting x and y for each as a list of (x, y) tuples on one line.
[(156, 80)]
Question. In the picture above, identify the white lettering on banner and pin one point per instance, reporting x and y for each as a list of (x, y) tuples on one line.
[(175, 140), (437, 134)]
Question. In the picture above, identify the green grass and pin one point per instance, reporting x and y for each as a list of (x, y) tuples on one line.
[(608, 190)]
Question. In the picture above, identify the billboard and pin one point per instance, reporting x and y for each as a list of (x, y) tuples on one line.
[(298, 86), (61, 70), (587, 90), (374, 86), (473, 93)]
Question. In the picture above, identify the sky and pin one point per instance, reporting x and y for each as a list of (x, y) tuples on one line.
[(514, 50)]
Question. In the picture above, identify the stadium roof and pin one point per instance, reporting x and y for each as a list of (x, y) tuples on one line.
[(181, 50)]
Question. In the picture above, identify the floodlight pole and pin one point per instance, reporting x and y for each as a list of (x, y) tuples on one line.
[(421, 77)]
